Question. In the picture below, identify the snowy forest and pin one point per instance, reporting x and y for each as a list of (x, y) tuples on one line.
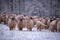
[(31, 7)]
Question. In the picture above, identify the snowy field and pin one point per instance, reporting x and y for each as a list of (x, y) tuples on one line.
[(6, 34)]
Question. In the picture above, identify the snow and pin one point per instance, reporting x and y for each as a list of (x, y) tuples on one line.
[(6, 34)]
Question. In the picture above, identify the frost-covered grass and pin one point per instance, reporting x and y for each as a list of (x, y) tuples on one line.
[(6, 34)]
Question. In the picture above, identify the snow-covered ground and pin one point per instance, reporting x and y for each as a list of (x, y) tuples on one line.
[(6, 34)]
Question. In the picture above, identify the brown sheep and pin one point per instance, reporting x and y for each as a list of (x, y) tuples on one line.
[(58, 24), (3, 18), (52, 26), (11, 23), (40, 25), (44, 21), (30, 24), (20, 24)]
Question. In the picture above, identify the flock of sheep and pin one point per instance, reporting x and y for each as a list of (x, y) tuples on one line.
[(22, 21)]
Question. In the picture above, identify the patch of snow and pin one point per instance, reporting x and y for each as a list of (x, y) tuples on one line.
[(6, 34)]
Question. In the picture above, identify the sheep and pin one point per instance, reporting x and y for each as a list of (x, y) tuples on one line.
[(20, 24), (30, 24), (58, 26), (52, 26), (40, 25), (11, 23), (44, 21), (34, 18)]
